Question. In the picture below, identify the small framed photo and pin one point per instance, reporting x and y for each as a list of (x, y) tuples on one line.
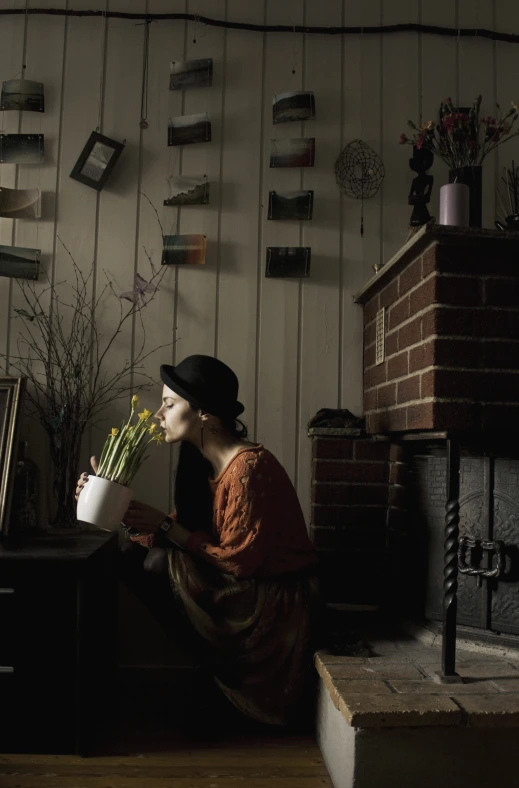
[(17, 262), (20, 203), (188, 129), (291, 205), (292, 152), (185, 74), (12, 393), (21, 148), (187, 190), (23, 95), (97, 160), (288, 262), (295, 105), (184, 250)]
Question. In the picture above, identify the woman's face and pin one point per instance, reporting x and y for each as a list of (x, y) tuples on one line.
[(177, 418)]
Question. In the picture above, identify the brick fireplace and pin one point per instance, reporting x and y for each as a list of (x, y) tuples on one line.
[(441, 359)]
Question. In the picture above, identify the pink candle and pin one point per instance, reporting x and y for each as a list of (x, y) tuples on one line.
[(454, 204)]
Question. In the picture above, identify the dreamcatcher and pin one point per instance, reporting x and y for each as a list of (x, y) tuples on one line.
[(359, 173)]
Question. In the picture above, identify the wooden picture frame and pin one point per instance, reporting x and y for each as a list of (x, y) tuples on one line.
[(96, 162), (12, 393)]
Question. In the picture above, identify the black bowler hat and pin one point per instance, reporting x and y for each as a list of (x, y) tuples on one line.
[(206, 383)]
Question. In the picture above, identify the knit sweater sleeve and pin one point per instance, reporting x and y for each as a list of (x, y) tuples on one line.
[(149, 540), (243, 539)]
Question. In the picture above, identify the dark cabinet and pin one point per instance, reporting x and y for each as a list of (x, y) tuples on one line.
[(58, 630)]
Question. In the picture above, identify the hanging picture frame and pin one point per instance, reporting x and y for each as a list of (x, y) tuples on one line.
[(20, 203), (288, 262), (295, 105), (295, 205), (23, 95), (21, 148), (187, 190), (97, 160), (184, 250), (185, 74), (189, 129), (12, 394), (16, 262), (292, 152)]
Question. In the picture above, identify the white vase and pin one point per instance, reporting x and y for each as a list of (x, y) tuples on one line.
[(103, 503)]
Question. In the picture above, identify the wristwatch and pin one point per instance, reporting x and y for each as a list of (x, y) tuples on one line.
[(166, 524)]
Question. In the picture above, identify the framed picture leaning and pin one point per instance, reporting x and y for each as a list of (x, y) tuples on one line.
[(12, 392)]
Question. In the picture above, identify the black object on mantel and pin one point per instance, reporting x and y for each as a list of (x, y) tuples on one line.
[(338, 418), (421, 188), (58, 613)]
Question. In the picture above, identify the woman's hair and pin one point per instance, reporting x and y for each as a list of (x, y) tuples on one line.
[(193, 498)]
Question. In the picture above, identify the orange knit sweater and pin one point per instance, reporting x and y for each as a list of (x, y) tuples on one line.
[(258, 525)]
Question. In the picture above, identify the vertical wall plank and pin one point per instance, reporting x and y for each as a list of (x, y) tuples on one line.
[(279, 312), (153, 483), (118, 200), (400, 102), (241, 193), (506, 71), (12, 38), (319, 338), (476, 67), (197, 285), (439, 78)]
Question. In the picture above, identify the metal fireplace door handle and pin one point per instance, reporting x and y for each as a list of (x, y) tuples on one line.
[(497, 547)]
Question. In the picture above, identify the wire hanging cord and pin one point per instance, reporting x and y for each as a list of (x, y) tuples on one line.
[(145, 72), (410, 27)]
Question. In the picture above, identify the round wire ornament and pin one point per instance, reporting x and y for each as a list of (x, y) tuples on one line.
[(359, 173)]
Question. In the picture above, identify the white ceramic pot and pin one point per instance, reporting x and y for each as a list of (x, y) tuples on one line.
[(103, 503)]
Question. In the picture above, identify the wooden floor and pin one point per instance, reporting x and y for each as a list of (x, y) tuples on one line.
[(145, 751)]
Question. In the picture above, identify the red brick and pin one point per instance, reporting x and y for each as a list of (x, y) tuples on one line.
[(377, 451), (369, 356), (448, 321), (459, 291), (410, 334), (332, 448), (389, 294), (500, 387), (453, 384), (500, 417), (386, 396), (487, 257), (421, 356), (398, 472), (350, 471), (496, 323), (397, 420), (410, 276), (367, 379), (325, 515), (349, 494), (502, 292), (429, 260), (456, 415), (422, 297), (456, 352), (397, 366), (371, 308), (398, 313), (397, 496), (370, 333), (391, 344), (397, 452), (420, 417), (499, 355), (370, 400), (408, 389), (378, 375)]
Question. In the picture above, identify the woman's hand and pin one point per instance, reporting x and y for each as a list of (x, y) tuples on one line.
[(83, 479), (143, 518)]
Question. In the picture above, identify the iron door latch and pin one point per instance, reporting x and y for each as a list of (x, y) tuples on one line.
[(476, 548)]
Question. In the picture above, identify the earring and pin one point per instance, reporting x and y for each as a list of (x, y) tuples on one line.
[(202, 435)]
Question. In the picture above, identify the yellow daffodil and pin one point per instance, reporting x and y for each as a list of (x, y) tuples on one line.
[(153, 429), (135, 401), (144, 416), (114, 432), (159, 438)]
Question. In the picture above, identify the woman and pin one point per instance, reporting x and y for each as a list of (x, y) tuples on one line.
[(238, 555)]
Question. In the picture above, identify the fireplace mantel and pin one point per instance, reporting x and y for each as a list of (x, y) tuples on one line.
[(447, 356)]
